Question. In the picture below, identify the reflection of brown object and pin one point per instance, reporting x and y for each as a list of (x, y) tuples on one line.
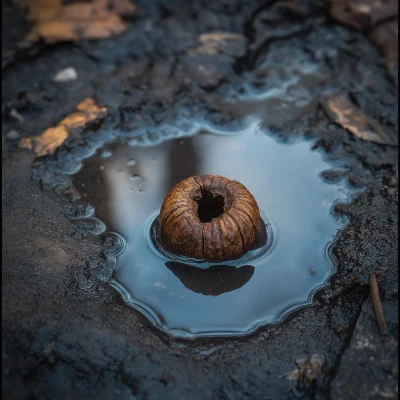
[(56, 22), (211, 281), (210, 217), (52, 138)]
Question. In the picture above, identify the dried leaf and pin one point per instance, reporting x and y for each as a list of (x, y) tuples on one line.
[(54, 137), (363, 14), (341, 110), (56, 22), (386, 38), (378, 17)]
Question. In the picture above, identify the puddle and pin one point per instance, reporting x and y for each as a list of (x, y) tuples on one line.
[(189, 299)]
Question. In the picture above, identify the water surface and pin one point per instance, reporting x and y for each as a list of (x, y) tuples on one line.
[(188, 299)]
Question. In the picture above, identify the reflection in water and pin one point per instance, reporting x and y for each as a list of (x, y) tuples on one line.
[(183, 161), (211, 281)]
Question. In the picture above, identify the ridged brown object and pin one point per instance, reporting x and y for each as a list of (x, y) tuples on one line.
[(212, 218)]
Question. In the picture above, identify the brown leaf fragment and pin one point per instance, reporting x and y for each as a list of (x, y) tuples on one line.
[(53, 21), (379, 18), (386, 38), (342, 111), (363, 14), (54, 137)]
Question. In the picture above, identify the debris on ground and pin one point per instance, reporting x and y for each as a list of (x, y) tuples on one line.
[(54, 137), (376, 300), (212, 60), (378, 18), (54, 21), (231, 44), (66, 75), (363, 14), (342, 111), (307, 371)]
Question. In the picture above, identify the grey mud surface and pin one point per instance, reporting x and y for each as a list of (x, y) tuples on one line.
[(65, 336)]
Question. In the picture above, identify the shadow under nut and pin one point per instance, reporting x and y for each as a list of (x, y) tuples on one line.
[(227, 236)]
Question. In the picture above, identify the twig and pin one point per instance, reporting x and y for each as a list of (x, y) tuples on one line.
[(376, 300)]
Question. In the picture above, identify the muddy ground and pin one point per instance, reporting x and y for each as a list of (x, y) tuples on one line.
[(66, 336)]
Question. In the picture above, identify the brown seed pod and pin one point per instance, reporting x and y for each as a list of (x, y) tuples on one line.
[(212, 218)]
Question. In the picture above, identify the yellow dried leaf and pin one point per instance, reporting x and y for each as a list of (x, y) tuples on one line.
[(47, 142), (56, 22), (54, 137)]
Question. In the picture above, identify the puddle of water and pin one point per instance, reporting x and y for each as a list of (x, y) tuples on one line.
[(187, 299)]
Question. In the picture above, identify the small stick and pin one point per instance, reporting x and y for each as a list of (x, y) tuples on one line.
[(376, 300)]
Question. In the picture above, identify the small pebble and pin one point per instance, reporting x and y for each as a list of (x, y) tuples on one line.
[(65, 75), (13, 135), (16, 115), (131, 163)]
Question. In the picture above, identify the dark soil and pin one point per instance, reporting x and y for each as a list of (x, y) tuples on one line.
[(65, 336)]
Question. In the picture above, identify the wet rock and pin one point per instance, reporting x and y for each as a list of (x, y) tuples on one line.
[(66, 75)]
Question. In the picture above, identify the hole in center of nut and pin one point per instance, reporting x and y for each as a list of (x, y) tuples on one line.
[(210, 206)]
